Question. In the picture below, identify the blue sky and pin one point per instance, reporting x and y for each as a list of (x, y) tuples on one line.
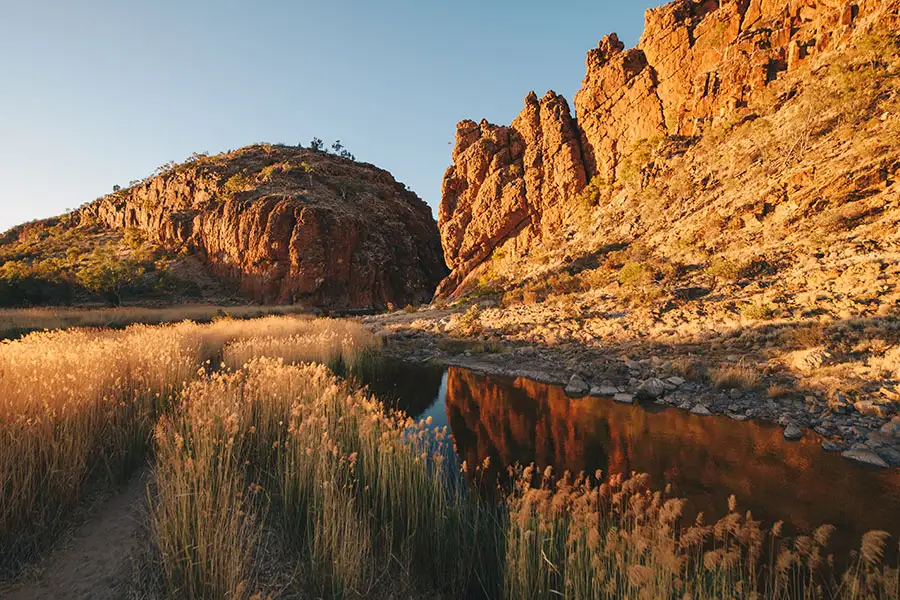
[(100, 92)]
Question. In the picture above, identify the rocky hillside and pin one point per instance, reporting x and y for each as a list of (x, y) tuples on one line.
[(717, 228), (732, 128), (278, 225)]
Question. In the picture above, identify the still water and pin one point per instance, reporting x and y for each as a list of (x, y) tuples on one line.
[(705, 459)]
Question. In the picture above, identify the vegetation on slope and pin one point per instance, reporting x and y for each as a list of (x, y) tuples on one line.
[(73, 260)]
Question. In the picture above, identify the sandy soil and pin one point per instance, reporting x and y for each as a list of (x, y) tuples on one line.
[(96, 563)]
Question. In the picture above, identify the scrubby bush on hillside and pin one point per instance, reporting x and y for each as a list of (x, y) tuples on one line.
[(239, 182), (25, 283), (110, 277)]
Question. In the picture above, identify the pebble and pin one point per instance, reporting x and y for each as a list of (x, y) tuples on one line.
[(700, 410), (865, 456), (792, 433), (624, 398)]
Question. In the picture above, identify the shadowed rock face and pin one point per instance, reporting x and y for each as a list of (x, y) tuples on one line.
[(697, 62), (289, 225)]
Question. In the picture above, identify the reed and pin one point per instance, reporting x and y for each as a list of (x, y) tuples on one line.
[(78, 408), (257, 443), (360, 495), (16, 322)]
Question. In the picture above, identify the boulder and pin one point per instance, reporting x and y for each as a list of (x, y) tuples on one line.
[(651, 389), (577, 386)]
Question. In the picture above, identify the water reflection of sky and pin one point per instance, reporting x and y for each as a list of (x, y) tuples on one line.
[(438, 409), (705, 458)]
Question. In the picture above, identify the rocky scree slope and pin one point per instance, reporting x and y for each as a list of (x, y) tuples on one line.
[(732, 127), (288, 225)]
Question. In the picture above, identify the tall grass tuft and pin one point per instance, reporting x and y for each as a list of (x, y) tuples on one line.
[(78, 408), (362, 496)]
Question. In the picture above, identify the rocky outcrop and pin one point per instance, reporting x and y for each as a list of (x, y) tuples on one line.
[(289, 225), (509, 184), (697, 63), (617, 105)]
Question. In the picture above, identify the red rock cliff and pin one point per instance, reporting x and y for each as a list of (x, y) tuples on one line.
[(289, 225), (697, 62)]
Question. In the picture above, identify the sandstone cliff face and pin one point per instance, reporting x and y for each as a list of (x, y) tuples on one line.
[(698, 63), (509, 183), (289, 225)]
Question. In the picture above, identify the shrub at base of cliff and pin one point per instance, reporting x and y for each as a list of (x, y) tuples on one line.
[(111, 278)]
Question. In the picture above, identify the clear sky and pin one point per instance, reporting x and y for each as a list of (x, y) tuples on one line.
[(101, 92)]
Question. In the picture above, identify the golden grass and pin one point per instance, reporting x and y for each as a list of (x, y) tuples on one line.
[(79, 406), (739, 376), (17, 321), (361, 495), (254, 442), (572, 537)]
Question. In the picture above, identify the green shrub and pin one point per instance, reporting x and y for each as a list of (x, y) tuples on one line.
[(109, 276), (469, 323), (268, 173), (630, 169), (758, 312), (135, 239), (636, 274), (239, 182), (723, 268)]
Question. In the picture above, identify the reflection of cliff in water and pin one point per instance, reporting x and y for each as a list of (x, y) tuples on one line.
[(513, 422), (705, 458)]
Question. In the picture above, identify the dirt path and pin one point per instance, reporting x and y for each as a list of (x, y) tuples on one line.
[(96, 563)]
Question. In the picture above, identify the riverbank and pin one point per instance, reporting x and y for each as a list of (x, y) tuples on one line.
[(792, 373)]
